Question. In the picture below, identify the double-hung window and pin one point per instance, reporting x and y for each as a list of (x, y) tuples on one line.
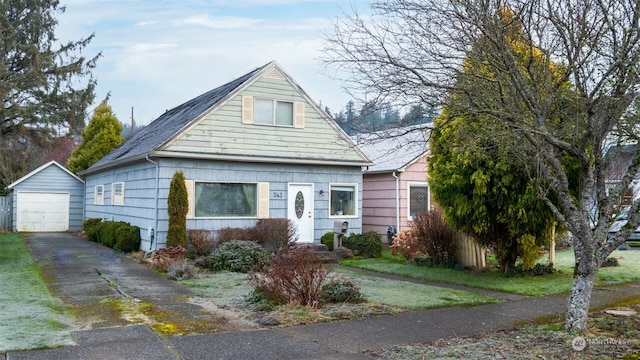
[(98, 195), (117, 193)]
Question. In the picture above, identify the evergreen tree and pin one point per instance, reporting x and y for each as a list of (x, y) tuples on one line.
[(100, 137), (177, 207), (46, 85)]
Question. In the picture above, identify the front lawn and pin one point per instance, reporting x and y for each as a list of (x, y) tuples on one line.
[(629, 270), (382, 296), (30, 317)]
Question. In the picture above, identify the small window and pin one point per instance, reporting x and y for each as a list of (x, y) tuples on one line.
[(418, 199), (272, 112), (117, 193), (218, 200), (98, 195), (343, 200)]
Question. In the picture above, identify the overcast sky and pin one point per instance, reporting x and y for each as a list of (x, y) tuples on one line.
[(157, 54)]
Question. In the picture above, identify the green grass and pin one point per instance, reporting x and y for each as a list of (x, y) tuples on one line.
[(629, 270), (30, 317), (412, 296)]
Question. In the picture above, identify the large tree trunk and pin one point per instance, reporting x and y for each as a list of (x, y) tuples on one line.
[(580, 297)]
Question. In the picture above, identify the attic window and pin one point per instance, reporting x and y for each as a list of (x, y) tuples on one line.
[(272, 112), (263, 111)]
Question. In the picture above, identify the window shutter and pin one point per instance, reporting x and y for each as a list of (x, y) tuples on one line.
[(298, 115), (263, 200), (247, 109), (190, 198)]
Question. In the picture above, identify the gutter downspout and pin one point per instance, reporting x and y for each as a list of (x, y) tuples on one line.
[(397, 201), (152, 237)]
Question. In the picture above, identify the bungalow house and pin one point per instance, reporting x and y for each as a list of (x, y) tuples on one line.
[(395, 187), (257, 147)]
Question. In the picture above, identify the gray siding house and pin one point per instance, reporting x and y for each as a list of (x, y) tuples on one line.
[(255, 148), (50, 198)]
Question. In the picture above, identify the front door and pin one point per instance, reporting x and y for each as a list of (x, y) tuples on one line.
[(301, 211)]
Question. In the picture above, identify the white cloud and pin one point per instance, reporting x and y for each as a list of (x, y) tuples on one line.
[(225, 22)]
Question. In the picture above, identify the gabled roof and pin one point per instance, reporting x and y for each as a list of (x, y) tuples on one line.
[(153, 138), (394, 149), (34, 172)]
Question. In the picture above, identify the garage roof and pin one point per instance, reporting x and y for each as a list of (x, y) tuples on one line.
[(34, 172)]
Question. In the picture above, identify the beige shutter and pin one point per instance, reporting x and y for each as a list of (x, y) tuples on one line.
[(189, 184), (263, 200), (298, 114), (247, 109)]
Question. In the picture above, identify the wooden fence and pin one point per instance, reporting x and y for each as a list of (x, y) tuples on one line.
[(6, 212)]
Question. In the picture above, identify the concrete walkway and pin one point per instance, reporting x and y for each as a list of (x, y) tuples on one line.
[(80, 272)]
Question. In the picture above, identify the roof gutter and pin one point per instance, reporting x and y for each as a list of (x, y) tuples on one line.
[(153, 234)]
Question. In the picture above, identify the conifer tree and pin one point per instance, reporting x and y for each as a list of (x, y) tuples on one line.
[(100, 137), (177, 207)]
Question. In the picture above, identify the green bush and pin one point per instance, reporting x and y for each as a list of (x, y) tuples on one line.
[(327, 239), (127, 238), (177, 208), (238, 256), (89, 227), (341, 291), (106, 232), (367, 245), (537, 270)]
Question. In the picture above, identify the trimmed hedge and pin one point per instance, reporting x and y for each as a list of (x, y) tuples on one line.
[(367, 245), (117, 235), (89, 227)]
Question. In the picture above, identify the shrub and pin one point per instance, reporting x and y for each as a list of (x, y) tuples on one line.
[(201, 242), (89, 227), (294, 277), (106, 232), (238, 256), (181, 270), (610, 262), (407, 243), (127, 238), (537, 270), (437, 237), (343, 253), (275, 234), (177, 208), (327, 240), (367, 245), (245, 234), (341, 291), (164, 258)]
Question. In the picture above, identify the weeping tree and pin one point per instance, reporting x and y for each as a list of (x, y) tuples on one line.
[(46, 85), (177, 207), (414, 51)]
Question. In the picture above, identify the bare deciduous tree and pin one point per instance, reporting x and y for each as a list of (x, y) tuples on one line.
[(411, 51)]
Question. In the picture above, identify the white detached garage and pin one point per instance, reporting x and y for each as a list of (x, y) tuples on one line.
[(48, 199)]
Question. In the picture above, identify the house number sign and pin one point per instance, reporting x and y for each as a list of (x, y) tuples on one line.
[(277, 195)]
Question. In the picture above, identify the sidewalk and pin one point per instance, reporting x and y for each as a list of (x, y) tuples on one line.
[(336, 340)]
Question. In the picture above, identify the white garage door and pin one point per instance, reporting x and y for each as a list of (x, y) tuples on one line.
[(42, 211)]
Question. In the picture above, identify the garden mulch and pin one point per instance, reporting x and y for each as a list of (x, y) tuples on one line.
[(81, 272)]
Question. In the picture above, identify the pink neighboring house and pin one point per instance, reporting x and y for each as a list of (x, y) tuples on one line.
[(395, 188)]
